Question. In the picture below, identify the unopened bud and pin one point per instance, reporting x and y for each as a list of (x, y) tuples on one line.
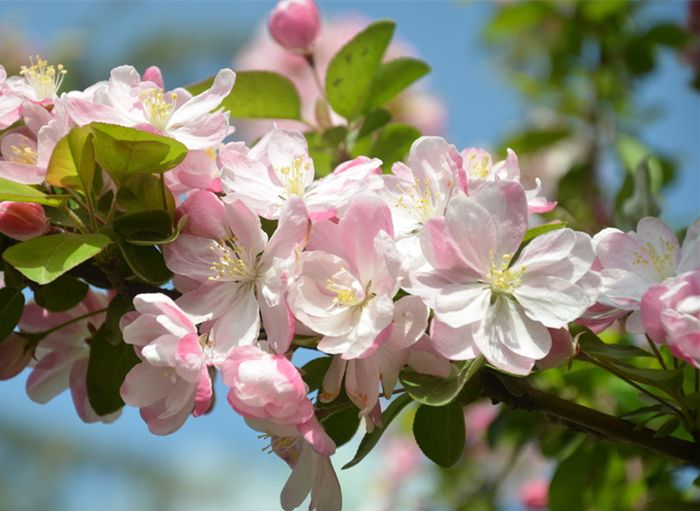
[(22, 220), (14, 356), (295, 24)]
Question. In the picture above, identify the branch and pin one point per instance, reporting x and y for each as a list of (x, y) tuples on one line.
[(518, 394)]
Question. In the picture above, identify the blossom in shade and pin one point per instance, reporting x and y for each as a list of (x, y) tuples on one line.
[(348, 280), (128, 100), (278, 167), (172, 380), (295, 24), (61, 358), (480, 168), (234, 274), (670, 314), (15, 355), (22, 220), (486, 302), (630, 263)]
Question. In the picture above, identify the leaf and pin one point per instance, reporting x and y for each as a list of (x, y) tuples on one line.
[(258, 95), (433, 391), (352, 70), (110, 360), (147, 263), (124, 152), (374, 120), (62, 294), (148, 227), (342, 426), (370, 439), (440, 433), (533, 232), (46, 258), (72, 162), (670, 380), (393, 143), (590, 343), (668, 427), (569, 479), (144, 192), (313, 372), (392, 78), (641, 202), (11, 307), (11, 191)]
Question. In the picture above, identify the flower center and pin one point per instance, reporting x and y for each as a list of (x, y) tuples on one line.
[(44, 79), (504, 280), (480, 166), (417, 198), (24, 154), (663, 263), (346, 288), (158, 106), (235, 262), (292, 176)]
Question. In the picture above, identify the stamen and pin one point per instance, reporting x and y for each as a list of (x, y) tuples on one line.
[(663, 264), (24, 153), (236, 262), (504, 280), (417, 198), (292, 176), (44, 79), (157, 106)]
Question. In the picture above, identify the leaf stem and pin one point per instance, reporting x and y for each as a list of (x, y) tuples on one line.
[(38, 336), (657, 353)]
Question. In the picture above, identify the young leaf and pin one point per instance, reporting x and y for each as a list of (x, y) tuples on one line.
[(11, 191), (440, 433), (62, 294), (150, 227), (433, 391), (392, 78), (124, 152), (110, 360), (533, 232), (11, 306), (393, 143), (342, 426), (352, 70), (258, 95), (314, 371), (370, 439), (72, 163), (46, 258), (144, 192), (147, 263)]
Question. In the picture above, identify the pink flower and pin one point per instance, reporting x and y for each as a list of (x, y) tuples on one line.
[(348, 280), (127, 100), (172, 381), (279, 167), (15, 355), (62, 356), (198, 171), (22, 220), (480, 168), (295, 24), (39, 82), (9, 102), (535, 494), (237, 273), (671, 315), (484, 301), (632, 262)]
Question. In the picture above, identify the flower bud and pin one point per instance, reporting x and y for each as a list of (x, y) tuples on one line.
[(14, 356), (295, 24), (22, 220), (535, 494)]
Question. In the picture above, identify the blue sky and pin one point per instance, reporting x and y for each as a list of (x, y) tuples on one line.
[(482, 108)]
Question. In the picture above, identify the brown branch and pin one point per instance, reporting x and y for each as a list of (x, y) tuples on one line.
[(518, 394)]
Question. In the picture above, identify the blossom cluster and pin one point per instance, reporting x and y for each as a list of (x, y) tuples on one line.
[(421, 264)]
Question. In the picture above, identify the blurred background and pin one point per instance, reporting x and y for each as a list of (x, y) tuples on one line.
[(579, 89)]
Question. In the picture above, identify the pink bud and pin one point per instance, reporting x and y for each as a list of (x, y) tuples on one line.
[(535, 494), (14, 356), (22, 220), (563, 348), (295, 24)]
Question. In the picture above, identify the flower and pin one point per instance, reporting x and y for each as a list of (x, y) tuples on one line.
[(10, 102), (127, 100), (172, 380), (279, 167), (486, 302), (295, 24), (22, 220), (237, 273), (39, 82), (345, 289), (670, 314)]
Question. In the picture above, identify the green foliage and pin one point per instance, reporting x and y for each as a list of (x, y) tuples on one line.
[(62, 294), (258, 95), (314, 371), (146, 262), (433, 391), (352, 70), (145, 192), (72, 162), (393, 143), (149, 227), (440, 434), (11, 191), (46, 258), (11, 306), (392, 78), (636, 200), (342, 425), (125, 152), (533, 232), (110, 360)]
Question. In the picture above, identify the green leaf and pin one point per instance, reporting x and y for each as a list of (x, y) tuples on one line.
[(110, 360), (144, 192), (370, 439), (314, 371), (352, 70), (641, 201), (533, 232), (11, 191), (124, 152), (393, 143), (11, 307), (146, 262), (258, 95), (590, 343), (72, 162), (569, 479), (392, 78), (433, 391), (149, 227), (668, 427), (46, 258), (374, 120), (440, 434), (342, 426), (62, 294)]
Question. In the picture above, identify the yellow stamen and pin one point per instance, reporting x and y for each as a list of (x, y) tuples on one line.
[(417, 198), (504, 280), (24, 153), (236, 262), (480, 167), (292, 176), (44, 79), (663, 263), (158, 106)]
